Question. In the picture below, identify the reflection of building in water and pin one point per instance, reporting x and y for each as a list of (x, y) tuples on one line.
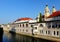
[(1, 37), (50, 25), (19, 38), (1, 33)]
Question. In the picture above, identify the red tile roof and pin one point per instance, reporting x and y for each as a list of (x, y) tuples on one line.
[(23, 19), (55, 14)]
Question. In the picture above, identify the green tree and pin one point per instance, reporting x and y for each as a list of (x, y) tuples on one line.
[(40, 17)]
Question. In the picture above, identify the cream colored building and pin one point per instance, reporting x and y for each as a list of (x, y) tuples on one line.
[(49, 27)]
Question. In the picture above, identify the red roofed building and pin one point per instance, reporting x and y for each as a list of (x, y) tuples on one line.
[(20, 19), (55, 14), (48, 15)]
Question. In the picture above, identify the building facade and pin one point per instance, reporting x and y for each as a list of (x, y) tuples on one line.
[(50, 26)]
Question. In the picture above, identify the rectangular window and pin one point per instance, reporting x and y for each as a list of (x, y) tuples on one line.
[(20, 25), (26, 25), (31, 25), (54, 32), (35, 27), (59, 26), (23, 25), (56, 25), (49, 26), (57, 32), (23, 30), (53, 26), (48, 32), (42, 31), (26, 30)]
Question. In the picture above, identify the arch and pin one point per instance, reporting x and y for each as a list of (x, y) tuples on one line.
[(41, 25)]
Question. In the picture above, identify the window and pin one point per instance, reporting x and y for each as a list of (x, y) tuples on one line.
[(59, 26), (57, 32), (56, 25), (41, 25), (26, 30), (35, 27), (54, 32), (23, 25), (49, 26), (26, 25), (23, 29), (53, 26), (20, 25), (48, 32), (31, 25), (42, 31)]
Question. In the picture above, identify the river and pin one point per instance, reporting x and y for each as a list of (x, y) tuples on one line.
[(9, 37)]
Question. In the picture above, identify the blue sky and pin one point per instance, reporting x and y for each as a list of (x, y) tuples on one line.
[(10, 10)]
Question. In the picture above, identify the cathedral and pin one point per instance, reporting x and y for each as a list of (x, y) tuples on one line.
[(47, 13), (51, 23)]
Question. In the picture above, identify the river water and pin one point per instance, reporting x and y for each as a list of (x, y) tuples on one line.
[(9, 37)]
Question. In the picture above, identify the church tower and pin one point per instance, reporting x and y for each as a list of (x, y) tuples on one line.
[(53, 9), (46, 12)]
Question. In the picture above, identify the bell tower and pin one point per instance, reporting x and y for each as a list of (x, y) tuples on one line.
[(46, 12), (53, 9)]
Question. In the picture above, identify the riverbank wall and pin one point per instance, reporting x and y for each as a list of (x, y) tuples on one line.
[(55, 39)]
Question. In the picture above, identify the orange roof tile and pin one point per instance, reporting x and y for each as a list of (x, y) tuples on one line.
[(55, 14), (23, 19)]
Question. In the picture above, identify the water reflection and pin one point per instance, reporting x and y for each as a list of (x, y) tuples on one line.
[(1, 34), (8, 37), (1, 37)]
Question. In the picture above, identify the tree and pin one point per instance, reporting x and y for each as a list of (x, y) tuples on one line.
[(40, 17)]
